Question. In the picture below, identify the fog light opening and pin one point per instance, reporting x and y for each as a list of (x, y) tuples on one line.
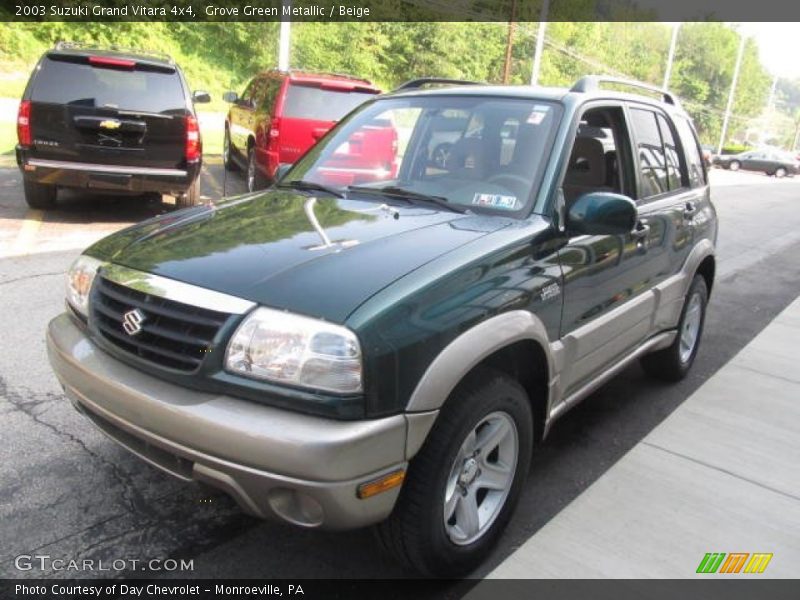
[(296, 507)]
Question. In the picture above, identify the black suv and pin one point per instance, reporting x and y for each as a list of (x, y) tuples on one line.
[(372, 346), (108, 120)]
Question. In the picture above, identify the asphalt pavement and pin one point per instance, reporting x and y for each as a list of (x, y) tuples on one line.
[(68, 492)]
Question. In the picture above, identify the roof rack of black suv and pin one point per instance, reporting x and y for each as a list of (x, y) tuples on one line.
[(591, 83), (65, 45), (415, 84)]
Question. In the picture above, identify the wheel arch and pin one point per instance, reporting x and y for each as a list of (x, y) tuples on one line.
[(514, 343)]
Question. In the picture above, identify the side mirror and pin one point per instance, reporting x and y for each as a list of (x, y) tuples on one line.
[(282, 169), (201, 97), (230, 97), (601, 213)]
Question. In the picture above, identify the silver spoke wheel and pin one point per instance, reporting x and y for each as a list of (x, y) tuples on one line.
[(690, 330), (480, 478)]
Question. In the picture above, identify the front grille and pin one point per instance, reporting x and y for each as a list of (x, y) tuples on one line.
[(172, 334)]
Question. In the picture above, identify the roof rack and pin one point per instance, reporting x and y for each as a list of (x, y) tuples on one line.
[(65, 45), (415, 84), (591, 83)]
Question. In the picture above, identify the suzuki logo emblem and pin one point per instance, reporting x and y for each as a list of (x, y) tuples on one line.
[(132, 321)]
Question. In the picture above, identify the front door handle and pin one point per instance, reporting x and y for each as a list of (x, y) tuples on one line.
[(641, 231), (689, 210)]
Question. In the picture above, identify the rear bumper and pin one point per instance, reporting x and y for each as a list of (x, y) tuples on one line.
[(275, 463), (107, 178)]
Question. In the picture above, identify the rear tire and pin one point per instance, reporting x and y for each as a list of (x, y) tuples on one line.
[(445, 522), (780, 172), (191, 197), (674, 362), (735, 165), (40, 196)]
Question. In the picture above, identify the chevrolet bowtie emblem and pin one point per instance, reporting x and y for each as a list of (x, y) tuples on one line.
[(110, 124)]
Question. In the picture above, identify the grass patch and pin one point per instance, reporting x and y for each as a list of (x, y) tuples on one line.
[(8, 137)]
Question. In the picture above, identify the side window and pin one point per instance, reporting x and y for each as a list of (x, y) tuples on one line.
[(596, 161), (267, 93), (672, 153), (248, 93), (652, 158), (691, 150)]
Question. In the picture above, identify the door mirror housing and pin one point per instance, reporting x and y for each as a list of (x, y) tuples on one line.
[(601, 213), (282, 169), (230, 97), (201, 97)]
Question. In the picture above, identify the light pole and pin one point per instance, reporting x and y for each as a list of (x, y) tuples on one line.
[(731, 95), (284, 42), (537, 55), (671, 56)]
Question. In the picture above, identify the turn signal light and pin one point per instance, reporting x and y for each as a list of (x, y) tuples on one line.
[(381, 484), (24, 123)]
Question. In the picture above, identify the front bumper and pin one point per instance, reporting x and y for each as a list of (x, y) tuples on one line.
[(275, 463), (107, 178)]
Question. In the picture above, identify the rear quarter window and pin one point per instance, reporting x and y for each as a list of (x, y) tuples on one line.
[(309, 102), (691, 150), (79, 84)]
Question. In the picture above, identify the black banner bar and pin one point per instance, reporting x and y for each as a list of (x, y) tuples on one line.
[(398, 10)]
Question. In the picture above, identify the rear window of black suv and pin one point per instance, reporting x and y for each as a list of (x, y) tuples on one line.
[(65, 81)]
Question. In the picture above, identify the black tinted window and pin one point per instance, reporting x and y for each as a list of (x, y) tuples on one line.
[(672, 153), (306, 102), (652, 159), (691, 150), (63, 82)]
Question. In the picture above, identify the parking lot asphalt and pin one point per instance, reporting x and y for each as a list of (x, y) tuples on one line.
[(68, 492)]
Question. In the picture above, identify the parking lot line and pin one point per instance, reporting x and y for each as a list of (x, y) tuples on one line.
[(27, 233)]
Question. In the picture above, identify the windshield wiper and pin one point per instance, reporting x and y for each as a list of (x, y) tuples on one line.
[(310, 186), (394, 191)]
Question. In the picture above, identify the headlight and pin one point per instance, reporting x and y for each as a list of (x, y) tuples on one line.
[(79, 281), (286, 348)]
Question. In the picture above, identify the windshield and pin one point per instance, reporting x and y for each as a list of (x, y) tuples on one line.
[(481, 153)]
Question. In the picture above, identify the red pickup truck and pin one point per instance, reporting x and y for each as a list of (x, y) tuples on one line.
[(281, 114)]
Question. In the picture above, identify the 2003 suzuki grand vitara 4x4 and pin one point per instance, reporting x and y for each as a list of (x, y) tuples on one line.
[(363, 346)]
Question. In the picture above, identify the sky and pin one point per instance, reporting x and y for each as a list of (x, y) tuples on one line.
[(779, 46)]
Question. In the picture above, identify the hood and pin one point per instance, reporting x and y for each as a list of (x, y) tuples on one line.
[(321, 257)]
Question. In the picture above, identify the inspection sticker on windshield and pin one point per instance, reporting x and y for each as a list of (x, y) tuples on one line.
[(538, 114), (495, 201)]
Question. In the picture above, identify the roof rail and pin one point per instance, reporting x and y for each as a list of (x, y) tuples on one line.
[(65, 45), (415, 84), (591, 83)]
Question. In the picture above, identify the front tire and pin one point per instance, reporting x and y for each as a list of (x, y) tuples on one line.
[(227, 155), (735, 165), (39, 196), (462, 487), (780, 172), (674, 362)]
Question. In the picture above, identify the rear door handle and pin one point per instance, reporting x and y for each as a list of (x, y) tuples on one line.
[(641, 231), (689, 210)]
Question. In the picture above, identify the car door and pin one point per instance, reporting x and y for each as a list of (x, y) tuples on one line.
[(607, 304), (668, 204), (242, 118)]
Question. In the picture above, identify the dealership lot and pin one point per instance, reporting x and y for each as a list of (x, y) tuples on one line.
[(69, 492)]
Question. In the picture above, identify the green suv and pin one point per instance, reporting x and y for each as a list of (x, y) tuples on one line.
[(371, 346)]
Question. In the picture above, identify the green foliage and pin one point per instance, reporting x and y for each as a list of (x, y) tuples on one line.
[(735, 148), (218, 56)]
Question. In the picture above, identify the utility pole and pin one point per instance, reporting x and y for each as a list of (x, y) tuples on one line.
[(731, 94), (671, 56), (537, 55), (509, 43), (284, 42)]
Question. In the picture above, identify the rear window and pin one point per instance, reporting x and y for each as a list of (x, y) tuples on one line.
[(307, 102), (63, 82)]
